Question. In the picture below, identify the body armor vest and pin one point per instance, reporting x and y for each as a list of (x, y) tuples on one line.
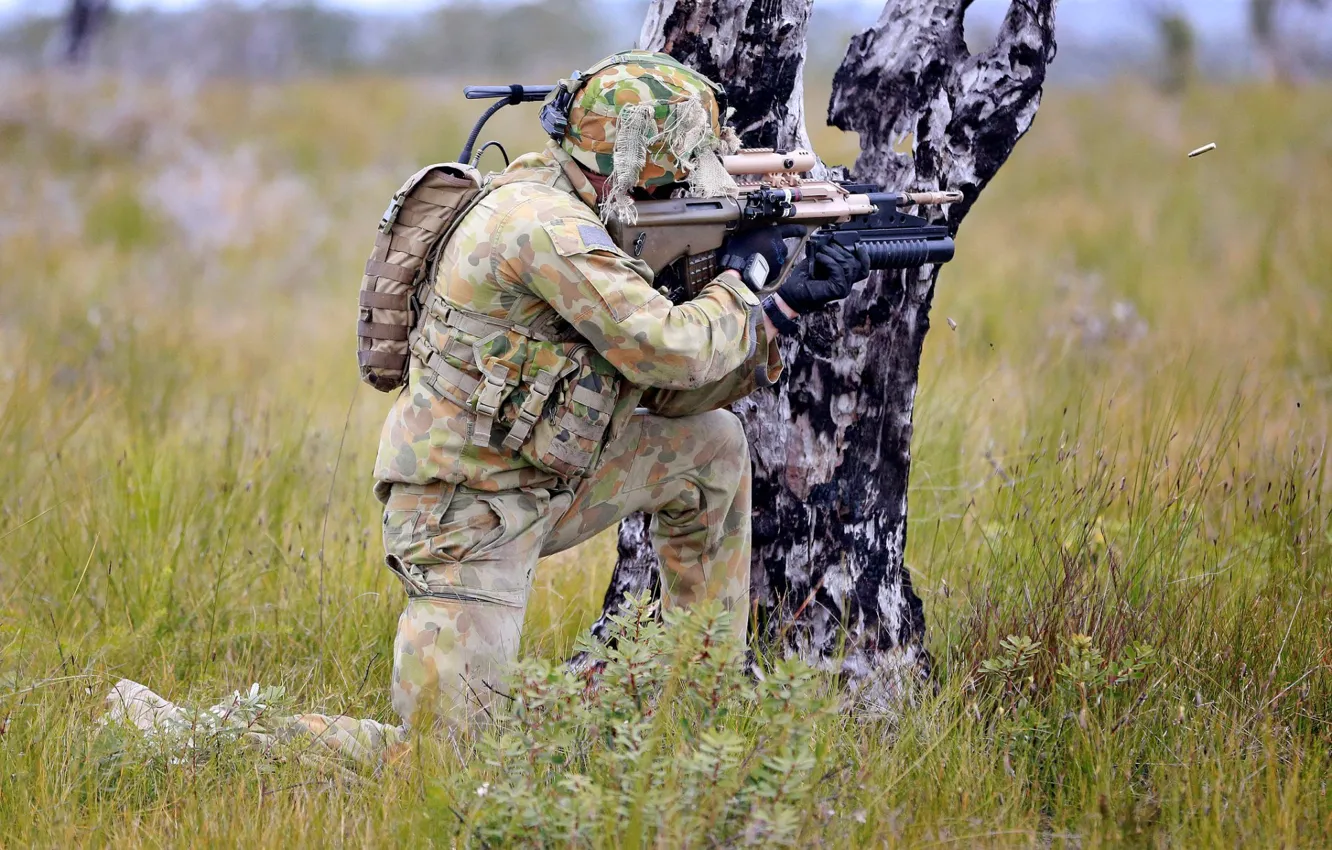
[(549, 389)]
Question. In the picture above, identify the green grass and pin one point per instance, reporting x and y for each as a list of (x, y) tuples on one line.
[(1123, 438)]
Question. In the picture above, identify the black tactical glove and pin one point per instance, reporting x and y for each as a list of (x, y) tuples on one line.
[(836, 270), (759, 253)]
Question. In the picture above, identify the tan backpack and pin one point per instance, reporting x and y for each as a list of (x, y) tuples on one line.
[(417, 223)]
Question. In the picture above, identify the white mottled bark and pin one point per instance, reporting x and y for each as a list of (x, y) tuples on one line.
[(756, 48), (832, 443)]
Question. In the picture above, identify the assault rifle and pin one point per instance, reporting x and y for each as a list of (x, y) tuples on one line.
[(679, 237)]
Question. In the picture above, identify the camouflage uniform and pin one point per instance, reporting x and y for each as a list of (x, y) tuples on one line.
[(552, 391)]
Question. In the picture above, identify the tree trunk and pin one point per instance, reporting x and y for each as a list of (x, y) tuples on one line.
[(84, 19), (832, 443), (1263, 29), (1275, 59)]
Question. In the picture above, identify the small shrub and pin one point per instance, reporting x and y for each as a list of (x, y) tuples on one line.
[(1010, 666), (669, 741)]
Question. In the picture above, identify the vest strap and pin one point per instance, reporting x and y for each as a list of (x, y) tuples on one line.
[(530, 412), (486, 402), (566, 452), (381, 330), (594, 400), (582, 427), (478, 324), (392, 271)]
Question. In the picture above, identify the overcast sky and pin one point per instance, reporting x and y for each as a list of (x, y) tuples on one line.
[(1088, 16)]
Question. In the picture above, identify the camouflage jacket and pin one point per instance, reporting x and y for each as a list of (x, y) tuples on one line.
[(534, 253)]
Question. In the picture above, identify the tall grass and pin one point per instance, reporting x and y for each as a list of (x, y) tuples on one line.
[(1121, 445)]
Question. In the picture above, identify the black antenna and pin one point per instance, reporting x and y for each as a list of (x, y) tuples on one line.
[(512, 94)]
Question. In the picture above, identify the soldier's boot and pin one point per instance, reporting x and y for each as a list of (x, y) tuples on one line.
[(314, 736), (367, 741), (467, 557)]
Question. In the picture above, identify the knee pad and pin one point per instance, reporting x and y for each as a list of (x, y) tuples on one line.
[(725, 432)]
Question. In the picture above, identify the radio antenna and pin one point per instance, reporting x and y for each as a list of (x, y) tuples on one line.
[(511, 94)]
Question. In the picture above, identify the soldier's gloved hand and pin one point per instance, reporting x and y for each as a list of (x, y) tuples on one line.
[(836, 270), (757, 254)]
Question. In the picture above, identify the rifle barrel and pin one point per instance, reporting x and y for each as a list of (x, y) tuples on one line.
[(930, 199)]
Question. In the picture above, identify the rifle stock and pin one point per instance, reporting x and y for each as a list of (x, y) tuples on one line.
[(679, 237)]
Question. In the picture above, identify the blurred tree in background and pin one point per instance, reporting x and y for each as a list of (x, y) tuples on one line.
[(85, 18), (1276, 60), (1179, 45)]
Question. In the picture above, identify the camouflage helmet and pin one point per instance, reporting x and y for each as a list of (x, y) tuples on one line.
[(643, 119)]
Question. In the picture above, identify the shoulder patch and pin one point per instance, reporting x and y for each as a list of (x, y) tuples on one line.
[(595, 237), (572, 236)]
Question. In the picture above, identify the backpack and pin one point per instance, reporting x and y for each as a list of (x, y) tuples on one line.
[(418, 221)]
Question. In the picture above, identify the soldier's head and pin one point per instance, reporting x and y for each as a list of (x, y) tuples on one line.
[(644, 121)]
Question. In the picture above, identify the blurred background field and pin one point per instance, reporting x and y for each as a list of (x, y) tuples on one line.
[(1120, 432)]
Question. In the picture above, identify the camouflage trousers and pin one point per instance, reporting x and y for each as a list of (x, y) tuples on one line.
[(467, 557)]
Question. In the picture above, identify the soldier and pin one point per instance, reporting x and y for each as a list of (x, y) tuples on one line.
[(553, 391)]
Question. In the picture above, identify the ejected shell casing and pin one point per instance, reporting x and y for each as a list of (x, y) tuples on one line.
[(1210, 146)]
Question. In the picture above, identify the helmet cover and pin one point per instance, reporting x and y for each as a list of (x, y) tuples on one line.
[(644, 120)]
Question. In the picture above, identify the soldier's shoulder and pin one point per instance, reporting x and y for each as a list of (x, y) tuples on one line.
[(540, 201), (571, 226)]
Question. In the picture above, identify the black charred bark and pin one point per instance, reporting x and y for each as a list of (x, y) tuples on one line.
[(832, 443)]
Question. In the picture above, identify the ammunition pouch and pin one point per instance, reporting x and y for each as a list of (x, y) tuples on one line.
[(551, 394)]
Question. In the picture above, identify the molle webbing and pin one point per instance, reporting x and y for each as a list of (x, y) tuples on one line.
[(559, 393), (485, 394), (596, 401), (569, 454), (587, 430), (531, 409), (481, 324), (417, 223)]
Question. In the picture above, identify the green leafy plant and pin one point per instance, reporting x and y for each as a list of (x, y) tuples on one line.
[(1090, 677), (670, 741), (1010, 667)]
